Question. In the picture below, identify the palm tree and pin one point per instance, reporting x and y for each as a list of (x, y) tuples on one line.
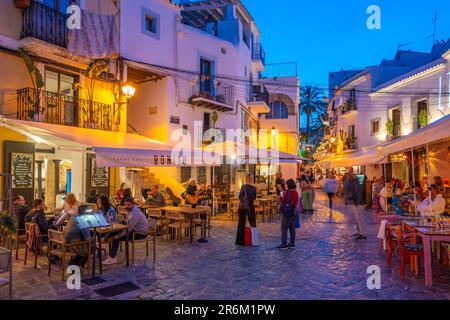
[(311, 102)]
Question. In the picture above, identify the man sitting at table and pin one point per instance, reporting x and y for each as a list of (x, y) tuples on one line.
[(137, 226), (436, 206), (155, 198)]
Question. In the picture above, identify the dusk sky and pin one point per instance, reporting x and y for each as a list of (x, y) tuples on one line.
[(323, 36)]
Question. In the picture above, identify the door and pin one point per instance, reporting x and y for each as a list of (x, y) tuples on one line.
[(60, 98), (422, 114), (397, 122), (206, 78)]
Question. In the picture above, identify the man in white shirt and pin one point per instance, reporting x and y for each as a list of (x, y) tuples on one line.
[(436, 206)]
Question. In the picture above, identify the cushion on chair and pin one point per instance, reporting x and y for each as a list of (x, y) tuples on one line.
[(3, 282), (414, 246)]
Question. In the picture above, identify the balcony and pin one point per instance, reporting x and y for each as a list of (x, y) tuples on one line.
[(213, 95), (48, 107), (350, 144), (44, 23), (259, 99), (349, 107), (280, 70), (258, 56)]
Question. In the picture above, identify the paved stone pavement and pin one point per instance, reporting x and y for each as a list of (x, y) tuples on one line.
[(326, 264)]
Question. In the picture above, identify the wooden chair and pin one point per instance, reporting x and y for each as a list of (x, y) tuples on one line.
[(409, 248), (57, 246), (151, 237), (18, 237), (393, 232), (33, 233), (156, 215), (176, 221), (259, 209)]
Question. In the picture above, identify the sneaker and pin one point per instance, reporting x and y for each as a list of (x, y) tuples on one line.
[(361, 237), (291, 246), (283, 246), (109, 261)]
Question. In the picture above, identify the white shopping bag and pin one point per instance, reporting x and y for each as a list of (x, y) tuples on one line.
[(255, 237)]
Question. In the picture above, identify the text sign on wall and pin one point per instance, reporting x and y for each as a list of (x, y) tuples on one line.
[(22, 170), (99, 176)]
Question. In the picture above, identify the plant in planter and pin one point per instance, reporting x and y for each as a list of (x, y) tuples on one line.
[(93, 72), (37, 81), (422, 118), (22, 4), (7, 222), (390, 128)]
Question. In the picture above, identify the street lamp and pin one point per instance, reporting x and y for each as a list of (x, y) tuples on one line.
[(273, 132), (128, 90)]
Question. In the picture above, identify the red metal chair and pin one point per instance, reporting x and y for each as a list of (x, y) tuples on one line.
[(410, 247)]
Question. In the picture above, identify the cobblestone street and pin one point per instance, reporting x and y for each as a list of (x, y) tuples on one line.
[(326, 264)]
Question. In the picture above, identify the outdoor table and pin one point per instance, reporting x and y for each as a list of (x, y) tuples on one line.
[(267, 204), (428, 235), (115, 228), (190, 213)]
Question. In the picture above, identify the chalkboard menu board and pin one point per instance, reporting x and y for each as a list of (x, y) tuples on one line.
[(201, 174), (22, 170), (99, 176)]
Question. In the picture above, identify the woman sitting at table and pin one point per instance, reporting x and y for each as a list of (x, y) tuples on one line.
[(106, 208), (70, 209), (247, 197)]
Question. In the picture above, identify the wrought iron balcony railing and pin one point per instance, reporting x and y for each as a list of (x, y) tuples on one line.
[(48, 107), (258, 53), (351, 144), (280, 70), (259, 92), (349, 105), (213, 95), (44, 23)]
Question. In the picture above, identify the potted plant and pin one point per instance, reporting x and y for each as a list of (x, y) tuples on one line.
[(22, 4), (7, 222), (422, 118), (390, 129)]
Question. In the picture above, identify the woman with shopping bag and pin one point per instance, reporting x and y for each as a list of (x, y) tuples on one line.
[(246, 208), (288, 204)]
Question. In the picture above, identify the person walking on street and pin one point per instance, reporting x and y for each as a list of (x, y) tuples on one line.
[(353, 202), (331, 187), (288, 204), (247, 197)]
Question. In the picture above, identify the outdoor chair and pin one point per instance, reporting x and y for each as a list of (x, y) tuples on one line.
[(410, 247), (17, 237), (34, 241), (177, 222), (57, 246), (158, 218), (151, 237)]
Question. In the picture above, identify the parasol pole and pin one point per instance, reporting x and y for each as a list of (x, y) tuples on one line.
[(414, 181), (429, 178)]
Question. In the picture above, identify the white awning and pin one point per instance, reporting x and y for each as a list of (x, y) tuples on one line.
[(434, 132), (361, 158)]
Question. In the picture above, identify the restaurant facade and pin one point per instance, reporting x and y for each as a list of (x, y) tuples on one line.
[(64, 104)]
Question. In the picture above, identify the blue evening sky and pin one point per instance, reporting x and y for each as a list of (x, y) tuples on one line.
[(325, 35)]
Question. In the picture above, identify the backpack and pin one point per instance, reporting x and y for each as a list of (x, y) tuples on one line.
[(287, 209), (244, 204)]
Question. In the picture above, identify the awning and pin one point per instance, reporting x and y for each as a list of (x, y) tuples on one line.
[(361, 158), (250, 154), (113, 149), (434, 132)]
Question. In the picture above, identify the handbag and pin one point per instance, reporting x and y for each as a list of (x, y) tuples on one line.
[(255, 236), (287, 209), (243, 204)]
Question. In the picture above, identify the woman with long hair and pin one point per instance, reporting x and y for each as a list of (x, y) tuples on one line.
[(69, 210), (106, 208)]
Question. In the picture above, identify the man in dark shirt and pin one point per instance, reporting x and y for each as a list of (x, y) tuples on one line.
[(280, 184), (37, 215), (20, 210), (155, 198)]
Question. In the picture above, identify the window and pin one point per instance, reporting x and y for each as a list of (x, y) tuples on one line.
[(206, 77), (60, 5), (150, 23), (206, 121), (396, 118), (174, 120), (278, 110), (375, 127)]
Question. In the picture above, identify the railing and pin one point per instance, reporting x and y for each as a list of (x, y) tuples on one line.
[(211, 90), (44, 23), (348, 106), (259, 92), (48, 107), (258, 53), (280, 70), (351, 144)]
